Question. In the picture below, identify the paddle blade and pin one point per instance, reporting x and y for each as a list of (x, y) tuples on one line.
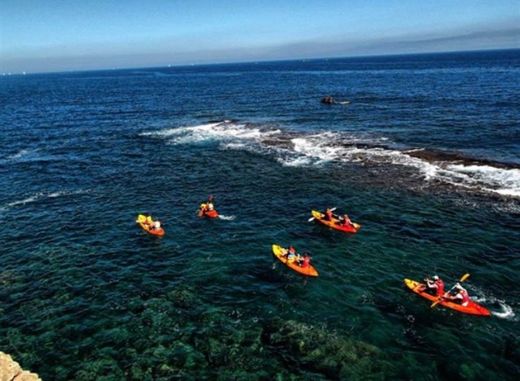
[(464, 277), (310, 219), (437, 302)]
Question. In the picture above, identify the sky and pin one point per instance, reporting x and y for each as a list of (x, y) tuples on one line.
[(61, 35)]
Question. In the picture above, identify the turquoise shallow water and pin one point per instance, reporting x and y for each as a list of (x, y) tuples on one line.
[(86, 295)]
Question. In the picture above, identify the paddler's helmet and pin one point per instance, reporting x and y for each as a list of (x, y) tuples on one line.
[(435, 277)]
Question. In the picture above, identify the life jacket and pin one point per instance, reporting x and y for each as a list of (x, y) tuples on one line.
[(306, 261), (328, 214), (440, 287), (465, 297)]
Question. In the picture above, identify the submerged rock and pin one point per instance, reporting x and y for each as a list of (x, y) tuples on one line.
[(10, 370), (316, 349), (328, 100)]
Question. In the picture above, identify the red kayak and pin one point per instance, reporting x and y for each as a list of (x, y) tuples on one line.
[(211, 213), (471, 308)]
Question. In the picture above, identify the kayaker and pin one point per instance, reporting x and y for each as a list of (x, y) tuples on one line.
[(306, 261), (156, 225), (461, 297), (328, 214), (291, 253), (149, 221), (207, 205), (435, 285), (345, 220)]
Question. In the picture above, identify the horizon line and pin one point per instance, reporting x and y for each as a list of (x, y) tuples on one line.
[(23, 73)]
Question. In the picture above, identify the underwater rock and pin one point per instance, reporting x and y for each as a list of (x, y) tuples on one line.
[(10, 370), (314, 348), (183, 297), (328, 100)]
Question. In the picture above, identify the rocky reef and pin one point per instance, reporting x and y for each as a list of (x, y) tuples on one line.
[(10, 370)]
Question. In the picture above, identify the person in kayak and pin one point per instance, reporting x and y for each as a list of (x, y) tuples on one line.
[(304, 261), (461, 297), (328, 214), (156, 225), (290, 254), (435, 286), (206, 206), (345, 220)]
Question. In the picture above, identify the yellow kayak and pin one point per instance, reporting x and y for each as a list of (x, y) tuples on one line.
[(279, 252)]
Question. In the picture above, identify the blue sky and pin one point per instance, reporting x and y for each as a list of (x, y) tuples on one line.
[(52, 35)]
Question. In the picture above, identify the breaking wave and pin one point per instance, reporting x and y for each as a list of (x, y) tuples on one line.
[(40, 196), (297, 149)]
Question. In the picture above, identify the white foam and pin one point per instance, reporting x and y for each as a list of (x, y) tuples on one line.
[(27, 200), (226, 218), (294, 161), (41, 195), (316, 149), (20, 154), (222, 131), (505, 313), (499, 180)]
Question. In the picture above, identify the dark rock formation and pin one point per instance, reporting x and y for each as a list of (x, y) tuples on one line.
[(328, 100)]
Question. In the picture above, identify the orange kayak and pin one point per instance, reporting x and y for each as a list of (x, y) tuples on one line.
[(471, 308), (141, 220), (210, 214), (279, 252), (335, 223)]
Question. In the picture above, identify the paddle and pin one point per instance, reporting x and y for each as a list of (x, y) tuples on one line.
[(462, 279), (312, 218)]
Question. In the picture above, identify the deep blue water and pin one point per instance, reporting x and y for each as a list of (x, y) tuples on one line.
[(426, 156)]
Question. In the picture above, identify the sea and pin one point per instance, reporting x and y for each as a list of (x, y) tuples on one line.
[(422, 150)]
